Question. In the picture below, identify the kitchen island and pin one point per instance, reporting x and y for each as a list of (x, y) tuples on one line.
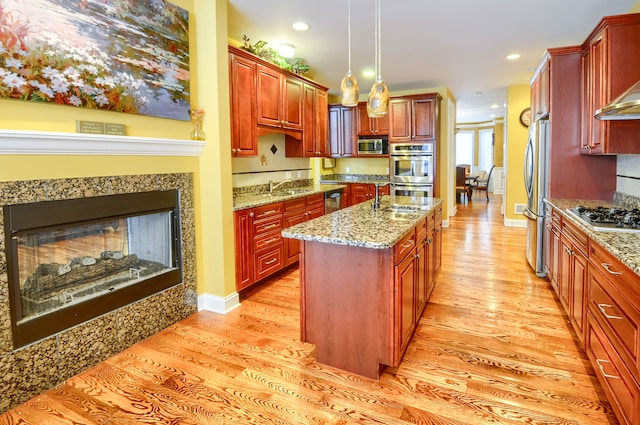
[(366, 277)]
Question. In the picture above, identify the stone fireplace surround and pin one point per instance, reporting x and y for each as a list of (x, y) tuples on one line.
[(31, 370)]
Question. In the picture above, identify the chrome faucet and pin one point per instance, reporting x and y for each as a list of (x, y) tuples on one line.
[(376, 203), (273, 185)]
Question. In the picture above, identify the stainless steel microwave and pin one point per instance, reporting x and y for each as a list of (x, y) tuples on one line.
[(376, 146)]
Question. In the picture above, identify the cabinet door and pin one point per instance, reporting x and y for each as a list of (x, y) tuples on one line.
[(578, 294), (269, 97), (405, 312), (399, 120), (363, 120), (423, 275), (423, 117), (308, 106), (244, 137), (335, 131), (243, 227), (564, 281), (593, 68), (292, 246), (348, 131), (360, 192), (321, 123), (292, 103)]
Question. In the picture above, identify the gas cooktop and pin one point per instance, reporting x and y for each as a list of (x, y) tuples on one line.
[(615, 219)]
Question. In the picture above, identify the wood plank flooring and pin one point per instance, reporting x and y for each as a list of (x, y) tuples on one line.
[(492, 347)]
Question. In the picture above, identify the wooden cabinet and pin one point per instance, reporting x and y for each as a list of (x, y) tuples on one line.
[(243, 89), (315, 135), (407, 281), (573, 275), (342, 131), (552, 248), (370, 126), (243, 227), (610, 65), (298, 211), (414, 118), (268, 246), (613, 343), (361, 192), (267, 99), (540, 91), (279, 99), (434, 238)]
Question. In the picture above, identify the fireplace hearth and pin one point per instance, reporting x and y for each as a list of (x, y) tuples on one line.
[(70, 261)]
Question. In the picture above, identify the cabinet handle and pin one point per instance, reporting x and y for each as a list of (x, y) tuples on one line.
[(601, 307), (233, 151), (270, 240), (417, 256), (271, 226), (586, 147), (599, 363), (268, 263), (407, 244), (251, 214), (606, 267), (269, 212), (568, 251)]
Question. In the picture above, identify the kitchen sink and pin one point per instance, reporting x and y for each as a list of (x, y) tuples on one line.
[(287, 192)]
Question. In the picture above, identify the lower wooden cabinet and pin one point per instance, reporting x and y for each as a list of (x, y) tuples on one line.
[(361, 192), (260, 250), (601, 296)]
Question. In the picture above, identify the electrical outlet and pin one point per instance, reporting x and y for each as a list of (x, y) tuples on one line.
[(347, 169), (287, 175), (299, 174), (387, 170)]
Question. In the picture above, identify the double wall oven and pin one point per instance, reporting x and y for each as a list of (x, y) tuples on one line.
[(411, 170)]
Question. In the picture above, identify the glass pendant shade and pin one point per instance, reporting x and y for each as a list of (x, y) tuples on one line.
[(349, 91), (378, 102)]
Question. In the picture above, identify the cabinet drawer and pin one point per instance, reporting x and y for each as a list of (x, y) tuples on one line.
[(268, 261), (266, 211), (575, 235), (315, 200), (421, 229), (617, 317), (404, 246), (266, 240), (294, 204), (267, 226), (624, 278), (621, 388)]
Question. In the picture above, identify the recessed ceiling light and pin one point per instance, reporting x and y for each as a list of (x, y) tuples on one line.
[(513, 56), (287, 50), (300, 26), (495, 106), (368, 73)]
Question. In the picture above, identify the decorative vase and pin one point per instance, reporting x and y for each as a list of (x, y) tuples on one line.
[(197, 115)]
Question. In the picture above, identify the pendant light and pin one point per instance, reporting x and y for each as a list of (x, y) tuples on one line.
[(349, 91), (378, 102)]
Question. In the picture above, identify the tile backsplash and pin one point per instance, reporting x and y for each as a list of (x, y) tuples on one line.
[(628, 175)]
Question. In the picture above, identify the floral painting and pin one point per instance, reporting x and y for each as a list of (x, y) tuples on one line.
[(119, 55)]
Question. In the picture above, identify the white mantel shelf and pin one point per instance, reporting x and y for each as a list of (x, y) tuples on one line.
[(19, 142)]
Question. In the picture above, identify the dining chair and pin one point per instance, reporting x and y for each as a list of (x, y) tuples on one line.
[(483, 184), (461, 184)]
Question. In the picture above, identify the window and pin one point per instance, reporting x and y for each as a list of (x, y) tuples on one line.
[(485, 150), (464, 147)]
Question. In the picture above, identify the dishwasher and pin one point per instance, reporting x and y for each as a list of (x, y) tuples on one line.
[(332, 200)]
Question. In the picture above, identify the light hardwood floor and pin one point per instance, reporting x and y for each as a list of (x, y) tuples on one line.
[(492, 347)]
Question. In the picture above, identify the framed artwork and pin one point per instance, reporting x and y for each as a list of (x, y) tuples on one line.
[(119, 55)]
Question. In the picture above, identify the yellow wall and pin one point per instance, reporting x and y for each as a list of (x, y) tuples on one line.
[(212, 170), (518, 98), (635, 8)]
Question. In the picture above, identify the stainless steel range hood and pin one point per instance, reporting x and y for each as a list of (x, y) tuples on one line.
[(624, 107)]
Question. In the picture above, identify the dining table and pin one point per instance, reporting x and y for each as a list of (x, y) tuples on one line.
[(470, 180)]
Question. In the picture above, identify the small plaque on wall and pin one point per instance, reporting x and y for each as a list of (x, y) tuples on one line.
[(89, 127), (114, 129)]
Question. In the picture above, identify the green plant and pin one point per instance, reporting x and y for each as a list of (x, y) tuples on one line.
[(269, 54)]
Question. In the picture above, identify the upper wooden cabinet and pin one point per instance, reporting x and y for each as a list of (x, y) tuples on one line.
[(279, 99), (540, 91), (242, 88), (610, 65), (267, 99), (316, 126), (414, 118), (342, 131), (371, 126)]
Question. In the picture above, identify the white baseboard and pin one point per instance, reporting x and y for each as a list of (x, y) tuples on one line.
[(515, 223), (216, 304)]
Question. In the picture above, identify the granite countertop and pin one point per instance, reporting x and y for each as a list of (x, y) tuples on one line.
[(354, 178), (250, 200), (360, 226), (623, 246)]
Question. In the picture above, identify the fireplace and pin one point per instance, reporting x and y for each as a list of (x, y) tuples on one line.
[(70, 261)]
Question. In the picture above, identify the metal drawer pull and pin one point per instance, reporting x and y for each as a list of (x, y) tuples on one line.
[(601, 307), (268, 263), (407, 244), (599, 362), (606, 267), (568, 251), (269, 212), (270, 226)]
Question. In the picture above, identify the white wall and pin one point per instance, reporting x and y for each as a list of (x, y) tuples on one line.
[(629, 167)]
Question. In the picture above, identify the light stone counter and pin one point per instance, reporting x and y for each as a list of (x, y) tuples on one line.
[(250, 200), (360, 226), (623, 246)]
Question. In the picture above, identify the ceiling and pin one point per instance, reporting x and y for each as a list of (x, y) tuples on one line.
[(459, 44)]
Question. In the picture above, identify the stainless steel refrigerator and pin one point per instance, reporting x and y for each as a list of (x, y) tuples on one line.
[(536, 163)]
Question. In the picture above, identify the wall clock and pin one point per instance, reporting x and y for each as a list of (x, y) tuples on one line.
[(525, 117)]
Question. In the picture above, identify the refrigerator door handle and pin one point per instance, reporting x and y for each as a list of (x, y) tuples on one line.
[(528, 169)]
